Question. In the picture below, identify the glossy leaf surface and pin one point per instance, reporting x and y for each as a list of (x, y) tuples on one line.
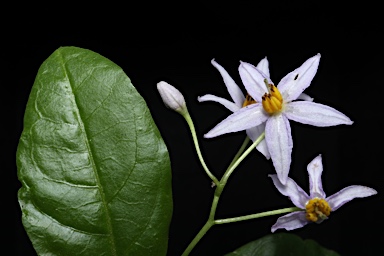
[(282, 244), (94, 169)]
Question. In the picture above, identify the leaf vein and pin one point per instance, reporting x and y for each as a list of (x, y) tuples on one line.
[(101, 103), (64, 225), (95, 169)]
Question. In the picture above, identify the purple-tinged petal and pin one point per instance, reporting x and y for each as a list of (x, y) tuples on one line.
[(304, 96), (245, 118), (347, 194), (315, 114), (253, 134), (253, 80), (295, 193), (315, 168), (226, 103), (263, 66), (290, 221), (293, 84), (234, 90), (279, 143)]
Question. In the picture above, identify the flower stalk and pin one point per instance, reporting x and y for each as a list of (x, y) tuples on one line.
[(258, 215), (218, 191), (188, 118)]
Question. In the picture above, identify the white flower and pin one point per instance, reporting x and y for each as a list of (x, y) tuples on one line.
[(239, 101), (317, 205), (275, 106)]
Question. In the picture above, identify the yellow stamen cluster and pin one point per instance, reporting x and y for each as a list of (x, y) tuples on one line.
[(317, 210), (272, 101), (248, 100)]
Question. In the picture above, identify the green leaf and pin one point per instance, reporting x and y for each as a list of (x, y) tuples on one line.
[(282, 244), (94, 169)]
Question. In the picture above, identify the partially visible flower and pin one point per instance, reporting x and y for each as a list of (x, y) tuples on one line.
[(275, 106), (317, 205), (239, 101), (172, 97)]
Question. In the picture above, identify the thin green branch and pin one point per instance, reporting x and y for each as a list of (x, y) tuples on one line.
[(241, 150), (257, 215), (196, 142), (229, 171)]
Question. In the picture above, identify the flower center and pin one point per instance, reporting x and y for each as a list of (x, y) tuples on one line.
[(248, 100), (317, 210), (272, 101)]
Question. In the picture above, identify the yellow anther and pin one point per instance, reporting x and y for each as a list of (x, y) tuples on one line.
[(275, 92), (248, 100), (272, 101), (311, 217), (266, 103), (275, 103), (317, 209)]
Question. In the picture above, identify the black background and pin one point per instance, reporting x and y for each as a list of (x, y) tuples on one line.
[(175, 43)]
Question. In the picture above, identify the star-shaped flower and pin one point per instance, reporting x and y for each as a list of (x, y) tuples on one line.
[(275, 106), (239, 100), (317, 205)]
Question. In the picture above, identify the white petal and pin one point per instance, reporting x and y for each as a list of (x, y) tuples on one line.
[(263, 66), (290, 221), (315, 168), (234, 90), (315, 114), (226, 103), (245, 118), (279, 143), (253, 134), (292, 190), (347, 194), (253, 80), (293, 84), (304, 96)]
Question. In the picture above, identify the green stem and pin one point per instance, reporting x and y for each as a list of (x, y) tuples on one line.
[(229, 171), (257, 215), (210, 222), (241, 150), (196, 142), (197, 238), (219, 189)]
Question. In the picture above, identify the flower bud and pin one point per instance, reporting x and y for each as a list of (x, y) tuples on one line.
[(172, 97)]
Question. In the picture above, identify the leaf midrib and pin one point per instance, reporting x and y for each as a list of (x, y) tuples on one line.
[(93, 163)]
